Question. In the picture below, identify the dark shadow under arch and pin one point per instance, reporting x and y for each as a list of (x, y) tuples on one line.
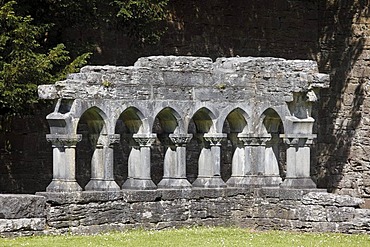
[(234, 124), (90, 126), (129, 123)]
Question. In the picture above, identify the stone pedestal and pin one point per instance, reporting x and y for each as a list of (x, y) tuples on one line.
[(175, 168), (255, 169), (102, 177), (64, 162), (298, 161), (139, 164), (209, 175)]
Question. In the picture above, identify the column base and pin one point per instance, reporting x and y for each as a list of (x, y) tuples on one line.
[(102, 185), (242, 181), (139, 184), (209, 182), (270, 180), (299, 183), (60, 185), (254, 181), (176, 183)]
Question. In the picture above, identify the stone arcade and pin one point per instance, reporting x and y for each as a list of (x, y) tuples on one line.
[(257, 108), (181, 120)]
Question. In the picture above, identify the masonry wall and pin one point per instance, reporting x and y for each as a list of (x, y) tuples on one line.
[(335, 33), (262, 209), (343, 124)]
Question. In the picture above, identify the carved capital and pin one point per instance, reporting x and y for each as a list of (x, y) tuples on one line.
[(113, 139), (215, 139), (180, 139), (254, 140), (63, 139), (298, 140), (144, 140), (108, 140)]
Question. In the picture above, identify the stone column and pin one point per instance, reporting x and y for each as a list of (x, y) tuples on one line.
[(209, 175), (271, 173), (64, 162), (244, 163), (298, 161), (102, 177), (175, 172), (139, 164)]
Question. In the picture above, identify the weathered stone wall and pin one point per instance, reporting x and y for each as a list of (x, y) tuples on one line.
[(343, 147), (262, 209), (219, 28)]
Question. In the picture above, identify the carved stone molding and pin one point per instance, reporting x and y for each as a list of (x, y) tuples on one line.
[(113, 139), (180, 139), (298, 140), (215, 139), (144, 140), (108, 140), (63, 139), (254, 140)]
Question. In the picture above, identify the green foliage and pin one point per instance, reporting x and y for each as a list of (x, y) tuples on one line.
[(24, 64), (142, 14), (30, 32), (138, 19)]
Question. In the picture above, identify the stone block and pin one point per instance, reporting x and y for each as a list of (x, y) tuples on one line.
[(312, 213), (22, 206), (22, 224), (329, 199), (341, 214), (141, 195), (176, 93), (170, 194)]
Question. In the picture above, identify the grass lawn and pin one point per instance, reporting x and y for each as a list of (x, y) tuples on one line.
[(195, 236)]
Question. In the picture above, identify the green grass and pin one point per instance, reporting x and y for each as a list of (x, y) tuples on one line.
[(196, 236)]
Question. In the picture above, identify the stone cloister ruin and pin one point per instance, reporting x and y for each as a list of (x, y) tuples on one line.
[(256, 107), (177, 124)]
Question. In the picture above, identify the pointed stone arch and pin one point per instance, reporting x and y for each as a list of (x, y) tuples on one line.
[(208, 142), (272, 163), (170, 153), (134, 149), (236, 161), (92, 125)]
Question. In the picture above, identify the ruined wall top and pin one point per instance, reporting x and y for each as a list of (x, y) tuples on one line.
[(191, 78)]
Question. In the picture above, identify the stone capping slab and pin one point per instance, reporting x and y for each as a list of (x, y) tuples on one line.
[(21, 206), (59, 198), (198, 75), (328, 199), (286, 193), (83, 197)]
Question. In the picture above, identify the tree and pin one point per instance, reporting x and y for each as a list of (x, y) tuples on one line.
[(24, 64), (30, 52)]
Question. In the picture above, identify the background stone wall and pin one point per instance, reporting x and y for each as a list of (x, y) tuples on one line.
[(335, 33), (343, 125)]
